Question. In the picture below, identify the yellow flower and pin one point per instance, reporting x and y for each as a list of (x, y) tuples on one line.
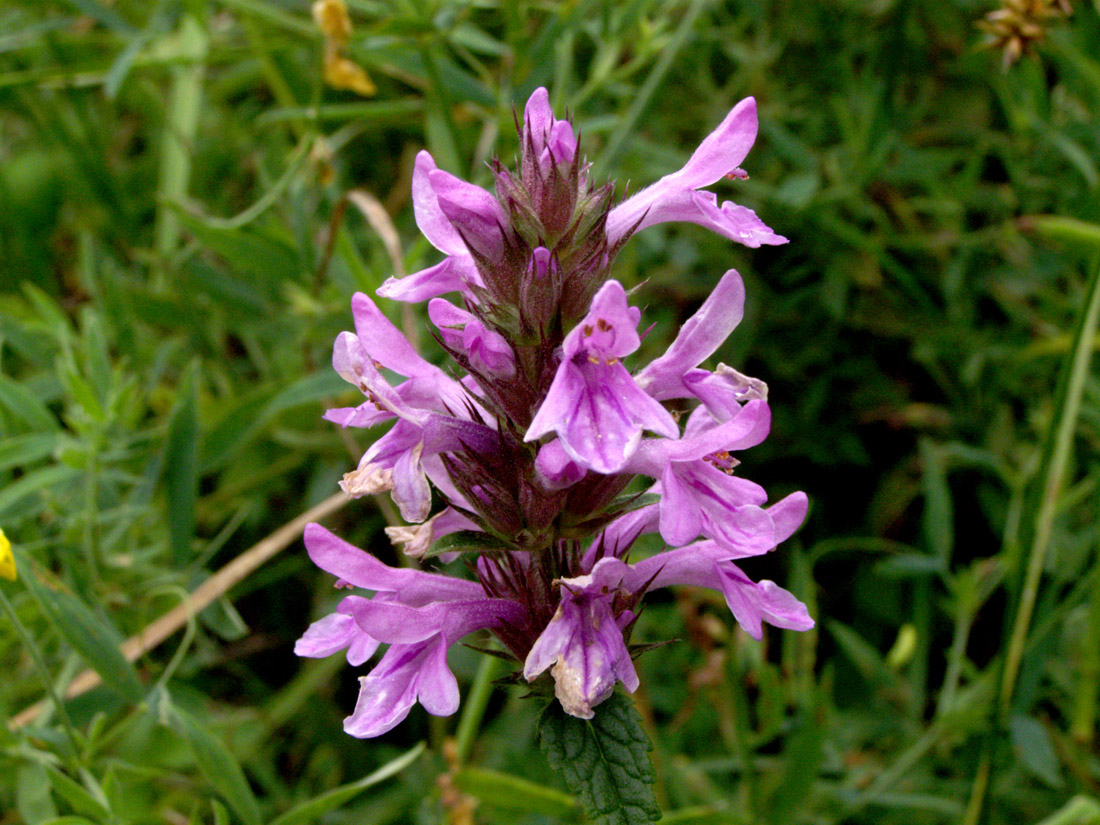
[(332, 18), (7, 560), (340, 71)]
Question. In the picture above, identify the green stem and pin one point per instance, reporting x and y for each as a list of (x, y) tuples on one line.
[(473, 709), (1057, 452), (1083, 725), (977, 794), (955, 660), (181, 124), (43, 672)]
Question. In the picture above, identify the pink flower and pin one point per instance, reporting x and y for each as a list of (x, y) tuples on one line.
[(593, 403), (676, 197)]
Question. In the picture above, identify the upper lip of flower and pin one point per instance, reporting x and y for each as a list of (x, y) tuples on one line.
[(674, 197)]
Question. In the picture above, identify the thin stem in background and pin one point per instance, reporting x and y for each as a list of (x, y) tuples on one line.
[(641, 100), (1067, 408), (40, 665), (181, 124), (473, 709)]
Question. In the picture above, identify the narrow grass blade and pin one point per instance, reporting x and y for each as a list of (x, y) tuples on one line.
[(312, 810)]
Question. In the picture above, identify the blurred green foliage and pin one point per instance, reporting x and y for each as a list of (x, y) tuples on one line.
[(177, 255)]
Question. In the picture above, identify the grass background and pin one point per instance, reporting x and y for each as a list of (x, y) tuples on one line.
[(177, 254)]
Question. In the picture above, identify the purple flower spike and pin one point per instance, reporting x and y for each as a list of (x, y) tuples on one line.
[(593, 403), (556, 470), (674, 197), (534, 438), (379, 344), (753, 603), (396, 460), (583, 644), (698, 495), (421, 615)]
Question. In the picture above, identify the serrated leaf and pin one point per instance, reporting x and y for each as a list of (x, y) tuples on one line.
[(467, 541), (513, 793), (91, 637), (605, 760), (217, 763), (312, 810)]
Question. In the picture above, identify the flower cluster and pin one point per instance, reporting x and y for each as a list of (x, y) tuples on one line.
[(535, 450)]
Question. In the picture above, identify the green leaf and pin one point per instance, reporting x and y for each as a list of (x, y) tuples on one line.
[(467, 541), (32, 793), (1034, 749), (312, 810), (78, 797), (254, 411), (96, 641), (632, 501), (217, 763), (605, 760), (80, 390), (1081, 810), (513, 793), (22, 450), (51, 476), (259, 257), (868, 661), (181, 467), (1069, 230), (910, 566), (25, 407), (802, 757), (221, 813)]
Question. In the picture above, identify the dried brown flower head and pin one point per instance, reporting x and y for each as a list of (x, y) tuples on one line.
[(1017, 25)]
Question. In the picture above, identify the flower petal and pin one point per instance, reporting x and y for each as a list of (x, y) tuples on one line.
[(698, 339), (350, 564)]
